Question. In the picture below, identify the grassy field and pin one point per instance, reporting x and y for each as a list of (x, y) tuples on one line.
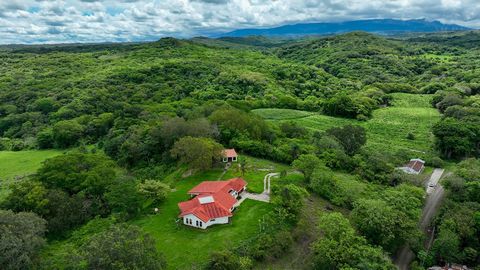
[(185, 247), (256, 171), (20, 163), (386, 130)]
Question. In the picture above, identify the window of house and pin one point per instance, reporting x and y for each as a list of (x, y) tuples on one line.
[(201, 224), (196, 223)]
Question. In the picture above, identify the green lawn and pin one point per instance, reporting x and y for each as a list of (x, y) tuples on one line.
[(388, 127), (20, 163), (256, 171), (186, 247)]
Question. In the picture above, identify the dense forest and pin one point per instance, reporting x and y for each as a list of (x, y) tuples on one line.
[(134, 124)]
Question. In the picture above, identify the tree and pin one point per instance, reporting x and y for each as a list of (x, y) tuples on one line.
[(45, 139), (324, 183), (223, 260), (340, 105), (45, 105), (292, 129), (376, 220), (176, 128), (123, 247), (27, 196), (242, 166), (291, 198), (154, 190), (67, 133), (341, 248), (75, 172), (455, 138), (124, 198), (447, 246), (21, 238), (306, 164), (198, 153), (469, 169), (352, 138)]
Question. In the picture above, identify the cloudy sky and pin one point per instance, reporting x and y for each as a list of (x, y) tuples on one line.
[(55, 21)]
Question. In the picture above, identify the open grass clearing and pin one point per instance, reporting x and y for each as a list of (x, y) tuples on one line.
[(387, 129), (20, 164), (255, 172)]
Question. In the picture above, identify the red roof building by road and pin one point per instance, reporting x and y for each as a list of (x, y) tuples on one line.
[(415, 166), (213, 202)]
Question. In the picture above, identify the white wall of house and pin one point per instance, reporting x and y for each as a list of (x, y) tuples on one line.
[(410, 170), (221, 220), (198, 223)]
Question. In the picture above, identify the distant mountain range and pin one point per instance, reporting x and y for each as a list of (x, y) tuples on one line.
[(379, 26)]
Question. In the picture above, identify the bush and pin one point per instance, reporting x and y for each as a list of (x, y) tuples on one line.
[(435, 162), (45, 139)]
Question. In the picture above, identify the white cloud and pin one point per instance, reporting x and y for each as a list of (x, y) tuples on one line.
[(54, 21)]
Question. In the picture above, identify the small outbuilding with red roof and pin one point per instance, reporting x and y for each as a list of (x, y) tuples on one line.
[(415, 166), (213, 202), (229, 155)]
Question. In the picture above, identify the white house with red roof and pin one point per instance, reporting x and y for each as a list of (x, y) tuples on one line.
[(213, 202), (415, 166), (229, 155)]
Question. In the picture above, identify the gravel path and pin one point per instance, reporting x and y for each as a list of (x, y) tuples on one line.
[(264, 196)]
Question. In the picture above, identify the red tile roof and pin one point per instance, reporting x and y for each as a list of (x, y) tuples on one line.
[(230, 153), (416, 164), (218, 205), (211, 187)]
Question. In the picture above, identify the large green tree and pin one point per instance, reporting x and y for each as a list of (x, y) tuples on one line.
[(21, 238), (197, 153), (351, 137), (75, 172), (123, 247), (340, 247)]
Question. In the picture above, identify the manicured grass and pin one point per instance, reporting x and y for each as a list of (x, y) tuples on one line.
[(185, 247), (388, 128), (21, 163), (256, 171)]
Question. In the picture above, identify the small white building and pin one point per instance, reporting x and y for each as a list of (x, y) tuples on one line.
[(415, 166), (213, 203)]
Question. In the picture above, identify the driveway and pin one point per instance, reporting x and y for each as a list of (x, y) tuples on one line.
[(433, 181), (264, 196), (435, 195)]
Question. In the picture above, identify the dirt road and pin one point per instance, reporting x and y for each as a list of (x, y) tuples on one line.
[(405, 256)]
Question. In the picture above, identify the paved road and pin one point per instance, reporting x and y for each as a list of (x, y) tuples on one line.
[(435, 196), (434, 178)]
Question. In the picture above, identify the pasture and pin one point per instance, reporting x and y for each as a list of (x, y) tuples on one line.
[(20, 164), (386, 130)]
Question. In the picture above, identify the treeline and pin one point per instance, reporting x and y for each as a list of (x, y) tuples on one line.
[(458, 133)]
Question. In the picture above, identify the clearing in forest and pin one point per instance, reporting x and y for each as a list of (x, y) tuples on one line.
[(387, 129), (21, 163)]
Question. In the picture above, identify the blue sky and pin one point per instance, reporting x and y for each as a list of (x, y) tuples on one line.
[(55, 21)]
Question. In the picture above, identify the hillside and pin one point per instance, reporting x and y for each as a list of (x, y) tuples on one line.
[(100, 145)]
